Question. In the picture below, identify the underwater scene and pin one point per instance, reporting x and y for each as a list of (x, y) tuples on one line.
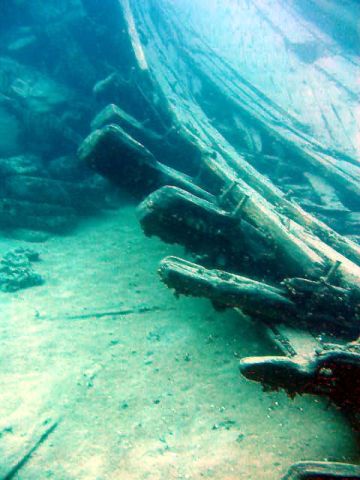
[(179, 239)]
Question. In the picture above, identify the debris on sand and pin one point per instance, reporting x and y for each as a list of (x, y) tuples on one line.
[(16, 271)]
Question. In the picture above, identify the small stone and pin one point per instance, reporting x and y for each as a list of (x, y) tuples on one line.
[(240, 438), (227, 424), (153, 336), (187, 357)]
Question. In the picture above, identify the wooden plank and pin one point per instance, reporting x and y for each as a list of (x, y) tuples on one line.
[(323, 471), (17, 454)]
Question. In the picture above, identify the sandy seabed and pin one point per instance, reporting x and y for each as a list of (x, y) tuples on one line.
[(106, 375)]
